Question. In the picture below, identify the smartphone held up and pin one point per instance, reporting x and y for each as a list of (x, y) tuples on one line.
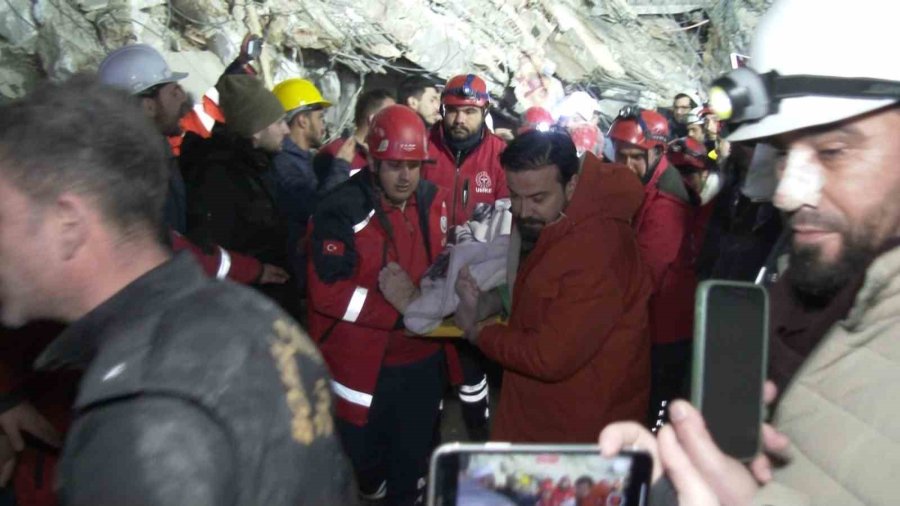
[(729, 363), (502, 474)]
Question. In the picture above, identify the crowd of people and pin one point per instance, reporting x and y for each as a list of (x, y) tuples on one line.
[(308, 386)]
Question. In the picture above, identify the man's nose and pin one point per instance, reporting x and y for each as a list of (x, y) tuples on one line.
[(801, 182)]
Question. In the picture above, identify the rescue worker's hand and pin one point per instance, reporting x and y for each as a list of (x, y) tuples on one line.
[(25, 418), (272, 274), (466, 315), (620, 436), (397, 287), (348, 150)]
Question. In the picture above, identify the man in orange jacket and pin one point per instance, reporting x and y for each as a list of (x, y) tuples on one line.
[(576, 345)]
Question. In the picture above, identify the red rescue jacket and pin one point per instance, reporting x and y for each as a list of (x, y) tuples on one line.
[(665, 226), (352, 238), (474, 178), (221, 263)]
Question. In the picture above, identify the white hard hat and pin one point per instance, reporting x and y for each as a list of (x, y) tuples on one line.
[(136, 68), (823, 38)]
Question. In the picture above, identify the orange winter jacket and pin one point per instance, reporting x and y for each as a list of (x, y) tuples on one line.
[(576, 352)]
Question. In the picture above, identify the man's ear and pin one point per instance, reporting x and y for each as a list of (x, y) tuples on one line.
[(148, 105), (412, 103), (570, 187), (71, 218)]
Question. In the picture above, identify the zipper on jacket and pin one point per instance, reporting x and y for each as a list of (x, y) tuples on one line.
[(455, 190)]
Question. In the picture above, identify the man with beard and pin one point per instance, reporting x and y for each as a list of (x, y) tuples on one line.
[(682, 105), (292, 172), (423, 96), (466, 153), (141, 71), (230, 198), (576, 352), (467, 163), (837, 163)]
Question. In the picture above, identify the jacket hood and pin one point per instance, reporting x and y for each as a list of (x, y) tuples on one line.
[(605, 189)]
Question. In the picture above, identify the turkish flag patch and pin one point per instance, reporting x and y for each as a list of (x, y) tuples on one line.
[(335, 248)]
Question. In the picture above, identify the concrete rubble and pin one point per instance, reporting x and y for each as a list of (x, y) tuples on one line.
[(621, 51)]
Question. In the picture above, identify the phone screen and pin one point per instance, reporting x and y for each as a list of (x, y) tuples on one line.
[(729, 358), (519, 476)]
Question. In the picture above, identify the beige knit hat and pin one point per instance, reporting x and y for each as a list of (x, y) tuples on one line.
[(247, 105)]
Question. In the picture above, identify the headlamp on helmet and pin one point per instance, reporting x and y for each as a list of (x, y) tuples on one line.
[(743, 95)]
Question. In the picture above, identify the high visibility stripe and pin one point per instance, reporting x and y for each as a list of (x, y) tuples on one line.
[(350, 395), (469, 399), (356, 304), (471, 389), (381, 493), (205, 119), (361, 225), (224, 264), (212, 94)]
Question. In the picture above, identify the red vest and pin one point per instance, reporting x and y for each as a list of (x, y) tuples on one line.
[(476, 178), (356, 328)]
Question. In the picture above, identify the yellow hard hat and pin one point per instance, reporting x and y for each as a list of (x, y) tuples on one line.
[(298, 94)]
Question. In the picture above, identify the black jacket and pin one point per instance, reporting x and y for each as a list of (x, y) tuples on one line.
[(196, 392), (231, 196)]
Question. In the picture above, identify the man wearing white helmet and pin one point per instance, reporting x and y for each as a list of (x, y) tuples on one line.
[(829, 105), (143, 72)]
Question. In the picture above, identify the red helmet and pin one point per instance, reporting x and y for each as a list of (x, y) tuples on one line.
[(397, 133), (536, 118), (640, 127), (466, 89), (688, 155)]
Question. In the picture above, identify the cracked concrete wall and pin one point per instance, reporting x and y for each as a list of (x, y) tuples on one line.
[(622, 48)]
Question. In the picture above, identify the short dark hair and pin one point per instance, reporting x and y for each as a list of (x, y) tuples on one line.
[(413, 87), (368, 103), (90, 139), (584, 479), (533, 150), (684, 95)]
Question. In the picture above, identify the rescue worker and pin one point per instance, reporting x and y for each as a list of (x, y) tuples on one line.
[(702, 181), (466, 153), (292, 171), (467, 163), (423, 96), (575, 354), (663, 226), (832, 115), (190, 386), (231, 198), (141, 70), (371, 241), (344, 156), (536, 118)]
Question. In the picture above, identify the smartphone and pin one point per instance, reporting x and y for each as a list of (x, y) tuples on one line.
[(502, 474), (254, 48), (731, 335)]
